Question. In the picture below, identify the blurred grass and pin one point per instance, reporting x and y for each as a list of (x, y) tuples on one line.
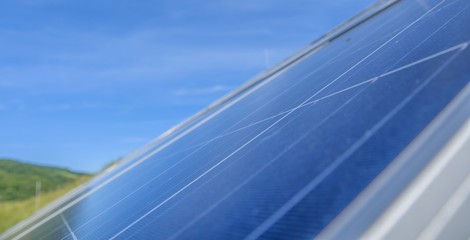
[(19, 183), (14, 211), (18, 179)]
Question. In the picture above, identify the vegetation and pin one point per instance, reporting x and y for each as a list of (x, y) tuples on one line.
[(18, 189), (18, 180)]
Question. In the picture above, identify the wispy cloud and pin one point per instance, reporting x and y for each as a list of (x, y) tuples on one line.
[(108, 62), (55, 108)]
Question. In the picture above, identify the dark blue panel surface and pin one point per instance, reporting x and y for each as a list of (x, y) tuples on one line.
[(284, 158)]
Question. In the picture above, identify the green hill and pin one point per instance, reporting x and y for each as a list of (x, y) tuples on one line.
[(18, 180), (18, 189)]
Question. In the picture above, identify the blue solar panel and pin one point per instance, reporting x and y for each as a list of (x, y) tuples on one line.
[(286, 156)]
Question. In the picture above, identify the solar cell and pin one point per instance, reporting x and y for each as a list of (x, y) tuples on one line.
[(284, 157)]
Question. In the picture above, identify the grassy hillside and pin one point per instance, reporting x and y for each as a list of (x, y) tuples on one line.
[(18, 189), (13, 212), (18, 180)]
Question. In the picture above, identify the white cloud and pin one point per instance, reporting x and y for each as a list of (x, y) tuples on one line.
[(138, 57), (55, 108)]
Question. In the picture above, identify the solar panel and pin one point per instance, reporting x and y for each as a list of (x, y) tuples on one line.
[(288, 153)]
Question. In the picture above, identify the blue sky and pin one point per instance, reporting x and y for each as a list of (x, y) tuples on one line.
[(84, 82)]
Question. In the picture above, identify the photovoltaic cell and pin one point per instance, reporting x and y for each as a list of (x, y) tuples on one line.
[(285, 157)]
